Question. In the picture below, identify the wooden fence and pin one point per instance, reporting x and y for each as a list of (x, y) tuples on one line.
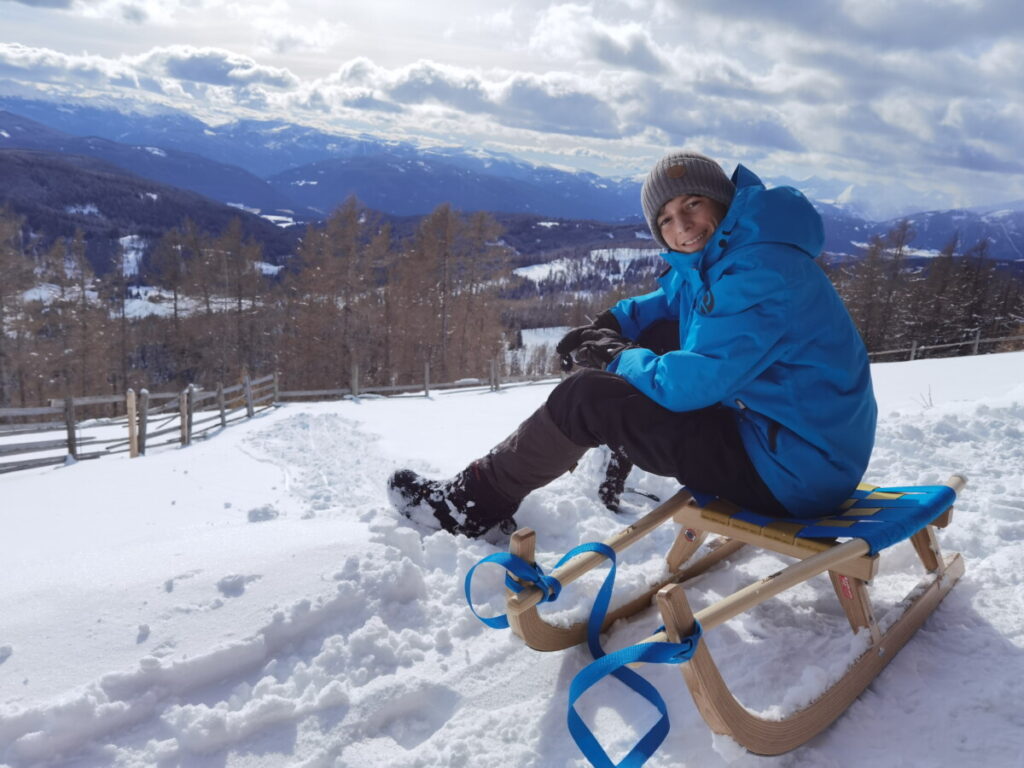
[(493, 382), (175, 418), (975, 343), (150, 419), (154, 419)]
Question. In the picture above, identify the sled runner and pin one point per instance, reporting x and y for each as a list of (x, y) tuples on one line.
[(846, 544)]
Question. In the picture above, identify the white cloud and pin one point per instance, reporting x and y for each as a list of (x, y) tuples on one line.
[(282, 35), (573, 32), (42, 64), (212, 66)]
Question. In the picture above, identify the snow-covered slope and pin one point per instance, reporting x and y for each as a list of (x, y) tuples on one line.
[(252, 601)]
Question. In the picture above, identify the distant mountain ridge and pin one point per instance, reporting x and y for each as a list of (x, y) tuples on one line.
[(59, 193), (268, 166), (188, 170)]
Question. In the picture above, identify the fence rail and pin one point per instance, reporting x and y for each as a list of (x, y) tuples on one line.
[(190, 413), (975, 343)]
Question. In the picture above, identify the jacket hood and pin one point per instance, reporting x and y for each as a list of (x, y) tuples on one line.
[(778, 215), (781, 215)]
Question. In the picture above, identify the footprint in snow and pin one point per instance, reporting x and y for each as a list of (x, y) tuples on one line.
[(261, 514), (233, 585)]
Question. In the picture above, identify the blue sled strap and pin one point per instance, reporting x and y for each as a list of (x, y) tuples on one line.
[(532, 575), (527, 573), (614, 664)]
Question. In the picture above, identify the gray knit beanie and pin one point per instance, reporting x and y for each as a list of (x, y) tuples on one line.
[(683, 173)]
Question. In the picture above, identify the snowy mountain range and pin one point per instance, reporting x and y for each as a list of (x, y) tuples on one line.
[(277, 168)]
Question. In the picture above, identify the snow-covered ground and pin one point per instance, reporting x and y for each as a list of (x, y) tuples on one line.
[(253, 601), (596, 259)]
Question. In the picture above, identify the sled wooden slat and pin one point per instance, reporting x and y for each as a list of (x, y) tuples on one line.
[(856, 604), (772, 585), (580, 565), (863, 567)]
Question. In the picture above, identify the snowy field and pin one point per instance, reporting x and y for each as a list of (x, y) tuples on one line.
[(253, 601)]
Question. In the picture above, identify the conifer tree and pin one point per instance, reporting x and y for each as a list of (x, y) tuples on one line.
[(16, 273)]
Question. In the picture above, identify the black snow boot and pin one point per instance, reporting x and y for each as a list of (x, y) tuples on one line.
[(614, 483), (487, 493), (464, 504)]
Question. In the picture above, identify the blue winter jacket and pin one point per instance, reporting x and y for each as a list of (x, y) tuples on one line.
[(763, 332)]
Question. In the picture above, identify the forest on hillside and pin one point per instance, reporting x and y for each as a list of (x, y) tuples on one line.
[(355, 295)]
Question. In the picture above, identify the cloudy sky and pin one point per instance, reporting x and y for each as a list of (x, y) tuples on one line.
[(911, 98)]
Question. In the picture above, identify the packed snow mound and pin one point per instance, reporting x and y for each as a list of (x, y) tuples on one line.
[(254, 601)]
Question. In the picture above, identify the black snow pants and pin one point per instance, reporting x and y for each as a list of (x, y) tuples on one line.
[(702, 449)]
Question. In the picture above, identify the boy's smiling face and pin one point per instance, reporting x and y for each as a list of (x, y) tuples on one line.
[(687, 222)]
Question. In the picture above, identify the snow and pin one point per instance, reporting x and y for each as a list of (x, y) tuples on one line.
[(244, 207), (281, 221), (133, 248), (87, 209), (565, 267), (908, 252), (253, 601), (156, 151), (266, 268)]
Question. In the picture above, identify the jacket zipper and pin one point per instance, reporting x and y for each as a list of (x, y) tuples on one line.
[(773, 427)]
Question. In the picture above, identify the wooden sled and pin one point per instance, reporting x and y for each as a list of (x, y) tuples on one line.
[(850, 565)]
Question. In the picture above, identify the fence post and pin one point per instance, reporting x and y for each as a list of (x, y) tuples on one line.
[(143, 420), (221, 405), (277, 387), (353, 383), (426, 379), (249, 410), (69, 418), (133, 426), (913, 349), (191, 410), (495, 386), (183, 412), (977, 340)]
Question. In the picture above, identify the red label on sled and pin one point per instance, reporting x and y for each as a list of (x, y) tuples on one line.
[(690, 534), (844, 585)]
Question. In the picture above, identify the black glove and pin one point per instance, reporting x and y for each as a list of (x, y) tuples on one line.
[(599, 347), (572, 340)]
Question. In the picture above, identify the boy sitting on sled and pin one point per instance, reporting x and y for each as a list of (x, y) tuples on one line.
[(742, 375)]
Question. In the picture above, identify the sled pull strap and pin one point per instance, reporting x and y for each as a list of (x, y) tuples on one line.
[(532, 575), (615, 664), (526, 573)]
